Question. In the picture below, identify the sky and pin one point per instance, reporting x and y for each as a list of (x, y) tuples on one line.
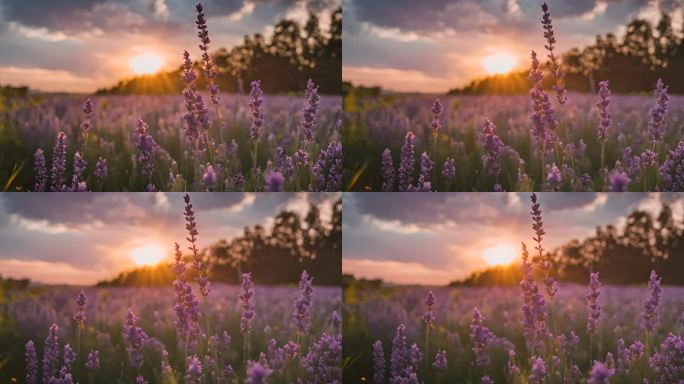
[(435, 45), (83, 45), (80, 239), (436, 238)]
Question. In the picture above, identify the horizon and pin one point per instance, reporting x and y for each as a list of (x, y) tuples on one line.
[(430, 52), (77, 47), (70, 238), (439, 238)]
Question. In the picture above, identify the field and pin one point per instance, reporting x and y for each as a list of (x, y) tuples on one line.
[(138, 143), (29, 316), (375, 314), (465, 154)]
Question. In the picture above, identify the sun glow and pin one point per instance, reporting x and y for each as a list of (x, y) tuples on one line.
[(499, 63), (500, 254), (146, 63), (150, 254)]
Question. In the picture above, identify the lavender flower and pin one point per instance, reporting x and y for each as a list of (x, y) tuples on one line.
[(193, 372), (255, 101), (600, 374), (101, 169), (399, 358), (486, 380), (407, 161), (387, 171), (88, 112), (51, 354), (449, 170), (327, 169), (554, 61), (31, 363), (140, 380), (197, 263), (656, 123), (336, 320), (512, 368), (302, 305), (192, 101), (649, 317), (605, 121), (41, 171), (481, 337), (426, 165), (554, 177), (415, 357), (436, 125), (247, 303), (59, 163), (77, 185), (274, 181), (440, 363), (80, 316), (672, 170), (187, 306), (93, 361), (542, 117), (492, 146), (209, 176), (429, 317), (538, 372), (545, 263), (69, 359), (135, 338), (533, 307), (668, 361), (378, 363), (257, 373), (209, 71), (146, 146), (323, 363), (618, 181), (592, 299), (310, 111)]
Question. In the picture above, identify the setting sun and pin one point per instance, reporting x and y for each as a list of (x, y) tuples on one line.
[(499, 63), (150, 254), (146, 63), (500, 254)]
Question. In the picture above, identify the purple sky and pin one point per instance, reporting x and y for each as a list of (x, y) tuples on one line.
[(83, 238), (435, 238), (432, 46)]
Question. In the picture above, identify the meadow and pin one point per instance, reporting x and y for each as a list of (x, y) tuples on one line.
[(200, 140), (542, 331), (548, 140)]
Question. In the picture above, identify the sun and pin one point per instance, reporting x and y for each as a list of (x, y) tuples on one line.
[(499, 63), (150, 254), (146, 63), (500, 254)]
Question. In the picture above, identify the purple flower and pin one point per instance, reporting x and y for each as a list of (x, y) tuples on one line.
[(436, 125), (209, 71), (592, 299), (41, 172), (656, 123), (511, 367), (140, 380), (87, 111), (542, 117), (533, 306), (255, 101), (449, 169), (336, 320), (668, 361), (492, 146), (193, 100), (649, 316), (605, 121), (618, 181), (310, 111), (600, 374), (101, 169), (257, 373), (302, 305), (146, 147), (323, 363), (672, 170), (538, 372), (193, 373), (387, 171), (247, 302), (429, 317), (31, 363), (554, 178), (77, 185), (415, 357), (327, 169), (555, 62), (274, 181), (378, 363), (59, 163), (238, 181), (187, 306), (426, 165), (407, 161), (209, 176), (545, 263), (486, 380), (93, 361), (80, 316), (135, 338), (440, 363), (51, 354), (197, 263), (399, 358), (481, 337), (69, 359)]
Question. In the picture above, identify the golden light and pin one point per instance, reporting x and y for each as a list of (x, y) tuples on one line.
[(499, 63), (150, 254), (146, 63), (500, 254)]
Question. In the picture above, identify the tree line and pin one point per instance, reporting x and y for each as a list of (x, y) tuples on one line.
[(631, 63), (621, 256), (294, 54), (273, 256)]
